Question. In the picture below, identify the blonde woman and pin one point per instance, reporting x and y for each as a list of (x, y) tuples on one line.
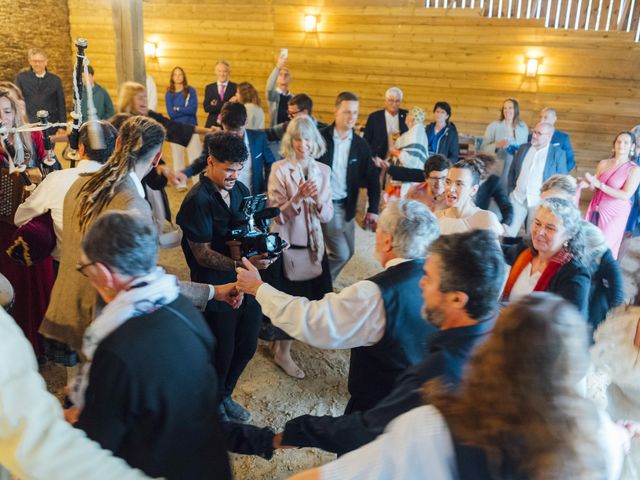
[(300, 187)]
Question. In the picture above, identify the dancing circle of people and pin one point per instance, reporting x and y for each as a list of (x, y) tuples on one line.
[(468, 350)]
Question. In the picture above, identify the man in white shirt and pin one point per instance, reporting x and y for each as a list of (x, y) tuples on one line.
[(532, 165), (349, 157), (383, 125), (49, 195), (379, 318)]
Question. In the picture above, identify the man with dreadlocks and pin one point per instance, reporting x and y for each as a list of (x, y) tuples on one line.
[(115, 186)]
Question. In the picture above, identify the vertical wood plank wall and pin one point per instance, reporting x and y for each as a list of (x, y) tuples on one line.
[(472, 62)]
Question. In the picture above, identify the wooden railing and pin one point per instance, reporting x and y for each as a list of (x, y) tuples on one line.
[(597, 15)]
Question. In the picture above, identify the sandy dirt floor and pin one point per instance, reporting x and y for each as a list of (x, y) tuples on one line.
[(273, 397)]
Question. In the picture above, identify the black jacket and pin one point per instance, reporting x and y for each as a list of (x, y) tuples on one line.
[(492, 188), (446, 356), (211, 95), (449, 143), (572, 282), (375, 131), (361, 171), (42, 94), (607, 289)]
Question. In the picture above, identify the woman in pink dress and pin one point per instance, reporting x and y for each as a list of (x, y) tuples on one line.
[(615, 182)]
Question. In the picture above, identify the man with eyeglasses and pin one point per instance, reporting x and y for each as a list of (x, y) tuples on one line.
[(42, 90), (430, 187), (383, 125), (533, 164)]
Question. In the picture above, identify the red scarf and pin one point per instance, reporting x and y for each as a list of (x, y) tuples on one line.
[(557, 261)]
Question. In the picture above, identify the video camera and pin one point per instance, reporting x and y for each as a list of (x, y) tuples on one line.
[(249, 233)]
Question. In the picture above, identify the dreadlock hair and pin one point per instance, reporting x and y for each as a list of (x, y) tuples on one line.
[(138, 137)]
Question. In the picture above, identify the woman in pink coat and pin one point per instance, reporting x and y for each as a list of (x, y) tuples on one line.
[(300, 187)]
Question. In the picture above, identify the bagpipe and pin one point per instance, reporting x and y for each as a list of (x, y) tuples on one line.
[(34, 241)]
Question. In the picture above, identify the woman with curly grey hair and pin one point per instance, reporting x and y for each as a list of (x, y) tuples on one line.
[(554, 259)]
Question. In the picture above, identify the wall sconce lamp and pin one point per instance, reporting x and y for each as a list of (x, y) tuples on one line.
[(151, 49), (531, 66), (311, 23)]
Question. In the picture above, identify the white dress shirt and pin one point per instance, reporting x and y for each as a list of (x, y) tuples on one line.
[(393, 122), (339, 166), (418, 445), (525, 283), (137, 182), (355, 317), (49, 196), (246, 174), (527, 191)]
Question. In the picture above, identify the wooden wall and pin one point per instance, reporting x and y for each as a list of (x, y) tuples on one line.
[(472, 62)]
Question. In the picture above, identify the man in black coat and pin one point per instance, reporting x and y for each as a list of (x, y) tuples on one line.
[(349, 157), (463, 279), (41, 89), (218, 93), (381, 124)]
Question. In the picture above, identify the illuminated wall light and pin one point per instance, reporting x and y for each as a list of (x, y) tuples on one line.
[(531, 66), (151, 49), (310, 23)]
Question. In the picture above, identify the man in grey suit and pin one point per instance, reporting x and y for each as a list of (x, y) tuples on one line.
[(533, 164)]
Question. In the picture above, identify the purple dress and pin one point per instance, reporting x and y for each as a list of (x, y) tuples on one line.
[(608, 213)]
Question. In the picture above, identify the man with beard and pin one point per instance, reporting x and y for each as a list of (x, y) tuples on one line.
[(463, 278)]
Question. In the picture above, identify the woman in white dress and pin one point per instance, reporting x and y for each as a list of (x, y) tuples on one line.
[(462, 214)]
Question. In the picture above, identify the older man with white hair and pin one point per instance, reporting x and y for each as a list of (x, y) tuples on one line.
[(378, 319), (384, 126)]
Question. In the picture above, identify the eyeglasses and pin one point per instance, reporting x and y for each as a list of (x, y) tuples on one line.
[(538, 133), (292, 114), (80, 267)]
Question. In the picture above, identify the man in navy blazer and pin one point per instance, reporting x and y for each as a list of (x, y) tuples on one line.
[(532, 165), (560, 138), (349, 157), (218, 93), (255, 173), (383, 123)]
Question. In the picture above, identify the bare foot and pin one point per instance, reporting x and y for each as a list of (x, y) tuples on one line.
[(289, 366)]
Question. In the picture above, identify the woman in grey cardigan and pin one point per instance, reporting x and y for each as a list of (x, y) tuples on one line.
[(503, 137)]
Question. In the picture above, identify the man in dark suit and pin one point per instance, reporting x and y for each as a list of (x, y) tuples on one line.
[(559, 138), (349, 157), (383, 123), (257, 167), (218, 93), (42, 90), (532, 165)]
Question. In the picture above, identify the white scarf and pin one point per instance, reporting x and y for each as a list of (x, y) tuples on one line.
[(147, 294)]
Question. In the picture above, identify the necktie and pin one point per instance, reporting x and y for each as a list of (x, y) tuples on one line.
[(221, 90)]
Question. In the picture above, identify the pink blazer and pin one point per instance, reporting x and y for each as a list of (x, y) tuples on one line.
[(283, 185)]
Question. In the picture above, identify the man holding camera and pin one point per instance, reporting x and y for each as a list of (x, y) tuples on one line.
[(206, 215)]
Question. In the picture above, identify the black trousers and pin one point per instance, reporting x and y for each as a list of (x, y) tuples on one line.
[(236, 334)]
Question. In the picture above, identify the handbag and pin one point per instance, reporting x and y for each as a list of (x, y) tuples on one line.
[(298, 264)]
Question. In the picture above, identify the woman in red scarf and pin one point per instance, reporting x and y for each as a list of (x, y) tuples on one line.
[(553, 260)]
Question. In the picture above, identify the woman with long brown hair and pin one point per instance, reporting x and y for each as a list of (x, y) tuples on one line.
[(516, 415), (116, 186), (182, 105), (248, 96)]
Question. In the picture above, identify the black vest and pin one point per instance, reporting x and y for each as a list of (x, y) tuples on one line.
[(374, 369)]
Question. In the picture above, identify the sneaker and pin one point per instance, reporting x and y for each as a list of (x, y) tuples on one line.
[(223, 413), (235, 411)]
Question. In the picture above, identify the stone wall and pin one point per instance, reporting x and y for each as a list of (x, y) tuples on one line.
[(43, 24)]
